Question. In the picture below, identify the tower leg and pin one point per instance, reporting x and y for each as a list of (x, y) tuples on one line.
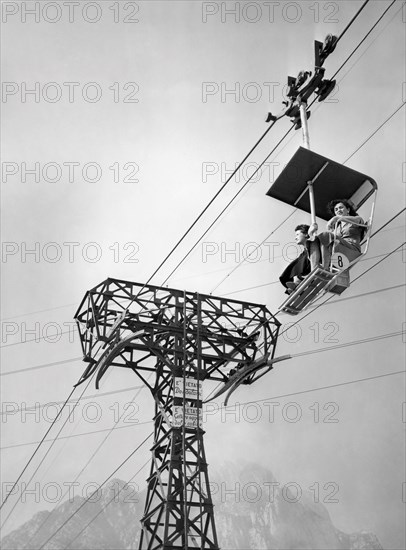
[(179, 510)]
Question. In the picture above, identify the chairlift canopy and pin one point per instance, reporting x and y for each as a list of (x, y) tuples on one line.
[(331, 180)]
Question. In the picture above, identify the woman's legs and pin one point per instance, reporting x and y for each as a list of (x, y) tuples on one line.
[(313, 249)]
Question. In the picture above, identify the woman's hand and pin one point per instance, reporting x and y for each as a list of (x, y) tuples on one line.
[(331, 223)]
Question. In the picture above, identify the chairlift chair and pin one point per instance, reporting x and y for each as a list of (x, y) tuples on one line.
[(309, 182)]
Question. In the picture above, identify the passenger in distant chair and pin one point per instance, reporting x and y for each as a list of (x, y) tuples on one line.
[(345, 228), (299, 268)]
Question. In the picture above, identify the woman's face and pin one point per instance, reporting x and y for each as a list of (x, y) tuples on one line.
[(341, 210)]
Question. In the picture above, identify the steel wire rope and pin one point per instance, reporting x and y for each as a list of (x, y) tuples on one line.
[(35, 451), (260, 166), (259, 401), (351, 21), (327, 300), (365, 37), (128, 389), (33, 340), (220, 191), (72, 304), (106, 505), (267, 260), (362, 260), (294, 210), (210, 203), (375, 131), (226, 182), (58, 334), (95, 492), (89, 460), (296, 393), (53, 441), (225, 208), (353, 343), (319, 105), (345, 344), (338, 39), (338, 301), (133, 425), (40, 443), (42, 366), (359, 276), (310, 390), (315, 307), (38, 311), (46, 365), (235, 171), (338, 346), (42, 405), (45, 455)]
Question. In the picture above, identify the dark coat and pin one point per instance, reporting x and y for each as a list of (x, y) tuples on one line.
[(299, 268)]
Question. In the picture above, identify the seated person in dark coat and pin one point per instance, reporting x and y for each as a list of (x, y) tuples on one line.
[(299, 268)]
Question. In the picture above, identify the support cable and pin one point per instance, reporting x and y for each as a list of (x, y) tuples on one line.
[(94, 492), (132, 425), (235, 171), (185, 236), (267, 157), (255, 249), (210, 202), (226, 207), (328, 299), (88, 462), (310, 390), (37, 448), (363, 40), (387, 223), (45, 455), (375, 131), (167, 257), (107, 504), (351, 22), (359, 276), (294, 210)]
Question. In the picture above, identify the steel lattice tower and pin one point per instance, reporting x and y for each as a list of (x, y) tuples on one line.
[(181, 339)]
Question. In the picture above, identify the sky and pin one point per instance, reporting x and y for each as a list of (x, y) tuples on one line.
[(120, 122)]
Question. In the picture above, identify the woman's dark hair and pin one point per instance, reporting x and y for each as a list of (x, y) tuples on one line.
[(303, 228), (348, 204)]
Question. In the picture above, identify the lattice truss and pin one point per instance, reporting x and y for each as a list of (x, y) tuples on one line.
[(179, 339)]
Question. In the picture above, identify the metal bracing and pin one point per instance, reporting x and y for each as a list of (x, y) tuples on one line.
[(180, 339)]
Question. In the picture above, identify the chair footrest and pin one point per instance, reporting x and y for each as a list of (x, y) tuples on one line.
[(307, 291)]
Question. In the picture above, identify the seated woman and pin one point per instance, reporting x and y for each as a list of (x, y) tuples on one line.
[(345, 231)]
